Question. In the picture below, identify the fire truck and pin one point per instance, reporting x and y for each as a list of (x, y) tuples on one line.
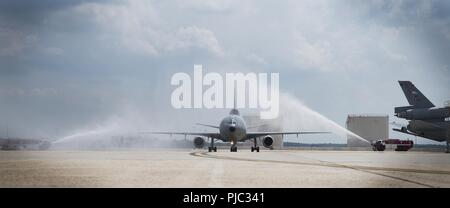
[(400, 145)]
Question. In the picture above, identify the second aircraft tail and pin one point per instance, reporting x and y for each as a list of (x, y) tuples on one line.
[(415, 98)]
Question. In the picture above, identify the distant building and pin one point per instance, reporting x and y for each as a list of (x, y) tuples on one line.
[(24, 144), (254, 123), (369, 127)]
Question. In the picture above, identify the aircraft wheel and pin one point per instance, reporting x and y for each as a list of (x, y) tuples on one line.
[(209, 149), (233, 149), (253, 149), (215, 149), (257, 149)]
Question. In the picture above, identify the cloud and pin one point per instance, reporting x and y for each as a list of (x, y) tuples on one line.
[(138, 27), (369, 35), (188, 37), (53, 51), (13, 42), (20, 92), (257, 59), (313, 55), (209, 6)]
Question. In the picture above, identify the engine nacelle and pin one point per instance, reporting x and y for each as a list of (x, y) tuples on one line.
[(267, 142), (199, 142)]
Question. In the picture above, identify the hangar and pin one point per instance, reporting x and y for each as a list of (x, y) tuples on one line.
[(369, 127)]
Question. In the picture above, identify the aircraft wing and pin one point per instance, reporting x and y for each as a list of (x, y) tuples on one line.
[(405, 131), (208, 125), (251, 135), (205, 134)]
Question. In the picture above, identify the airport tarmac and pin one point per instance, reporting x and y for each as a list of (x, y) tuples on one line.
[(199, 168)]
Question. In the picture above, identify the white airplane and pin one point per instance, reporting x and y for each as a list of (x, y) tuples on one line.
[(233, 129)]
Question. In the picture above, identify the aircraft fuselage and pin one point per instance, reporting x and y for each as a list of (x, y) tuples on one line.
[(233, 128)]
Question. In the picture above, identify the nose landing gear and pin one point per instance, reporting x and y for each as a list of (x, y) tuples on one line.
[(233, 148)]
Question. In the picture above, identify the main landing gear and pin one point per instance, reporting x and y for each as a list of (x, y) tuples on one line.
[(448, 146), (255, 146), (212, 148), (448, 142)]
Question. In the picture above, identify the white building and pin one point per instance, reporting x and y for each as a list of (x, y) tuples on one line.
[(369, 127)]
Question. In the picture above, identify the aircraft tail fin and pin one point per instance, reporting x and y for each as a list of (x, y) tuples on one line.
[(234, 111), (415, 98), (235, 98)]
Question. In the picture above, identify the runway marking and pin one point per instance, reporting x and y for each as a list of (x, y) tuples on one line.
[(380, 174), (207, 155), (366, 169)]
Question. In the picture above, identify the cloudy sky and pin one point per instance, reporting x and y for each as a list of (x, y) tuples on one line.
[(71, 65)]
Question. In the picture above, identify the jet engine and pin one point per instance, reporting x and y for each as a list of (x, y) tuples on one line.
[(199, 142), (267, 141)]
